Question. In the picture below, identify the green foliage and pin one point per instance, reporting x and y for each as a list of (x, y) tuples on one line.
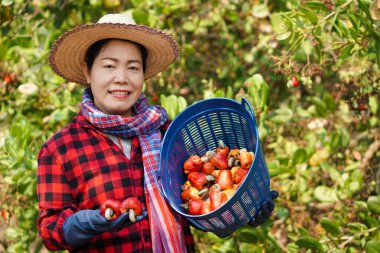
[(320, 139)]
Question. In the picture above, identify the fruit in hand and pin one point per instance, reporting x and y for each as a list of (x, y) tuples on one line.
[(110, 209), (133, 206), (193, 163)]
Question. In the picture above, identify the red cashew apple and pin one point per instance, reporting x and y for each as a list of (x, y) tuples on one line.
[(199, 179), (110, 209), (222, 149), (239, 175), (193, 163), (190, 193), (230, 192), (224, 180), (133, 206), (217, 197), (295, 81), (218, 159), (195, 206), (208, 168), (205, 206), (234, 152), (245, 158)]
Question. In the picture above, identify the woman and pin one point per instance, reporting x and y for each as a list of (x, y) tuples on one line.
[(110, 149)]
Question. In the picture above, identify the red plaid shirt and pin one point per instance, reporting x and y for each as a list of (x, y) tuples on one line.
[(79, 168)]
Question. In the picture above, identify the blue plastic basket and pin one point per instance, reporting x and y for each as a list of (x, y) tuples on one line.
[(195, 131)]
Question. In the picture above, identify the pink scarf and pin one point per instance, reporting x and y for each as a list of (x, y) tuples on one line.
[(165, 225)]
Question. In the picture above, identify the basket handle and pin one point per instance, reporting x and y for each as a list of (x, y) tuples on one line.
[(245, 104)]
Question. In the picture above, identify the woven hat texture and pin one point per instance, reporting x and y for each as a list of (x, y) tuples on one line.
[(68, 52)]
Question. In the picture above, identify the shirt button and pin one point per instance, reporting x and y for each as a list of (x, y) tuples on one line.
[(146, 237)]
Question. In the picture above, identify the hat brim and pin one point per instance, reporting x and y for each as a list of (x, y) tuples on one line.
[(68, 52)]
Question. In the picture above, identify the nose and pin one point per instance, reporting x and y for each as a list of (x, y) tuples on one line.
[(121, 76)]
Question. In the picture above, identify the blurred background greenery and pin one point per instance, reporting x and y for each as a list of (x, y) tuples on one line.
[(310, 69)]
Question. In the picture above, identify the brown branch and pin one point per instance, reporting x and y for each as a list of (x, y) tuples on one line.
[(371, 151)]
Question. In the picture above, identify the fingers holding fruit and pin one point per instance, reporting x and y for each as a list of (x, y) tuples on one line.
[(110, 209), (133, 206)]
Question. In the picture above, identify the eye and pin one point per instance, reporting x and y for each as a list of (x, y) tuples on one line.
[(109, 66), (133, 68)]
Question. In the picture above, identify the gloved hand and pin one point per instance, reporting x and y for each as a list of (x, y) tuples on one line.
[(85, 224), (265, 211)]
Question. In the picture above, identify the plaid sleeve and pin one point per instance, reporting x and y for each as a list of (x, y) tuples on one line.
[(54, 200)]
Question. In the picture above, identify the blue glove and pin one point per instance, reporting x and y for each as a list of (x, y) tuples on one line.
[(85, 224), (265, 211)]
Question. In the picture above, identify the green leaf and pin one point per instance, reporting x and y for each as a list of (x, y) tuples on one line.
[(364, 6), (283, 36), (346, 52), (310, 15), (182, 104), (260, 11), (329, 226), (6, 2), (258, 90), (356, 227), (141, 16), (189, 26), (309, 242), (325, 194), (316, 5), (377, 47), (249, 248), (281, 115), (274, 168), (373, 203), (299, 156), (247, 235), (372, 247), (320, 105), (277, 23), (374, 103)]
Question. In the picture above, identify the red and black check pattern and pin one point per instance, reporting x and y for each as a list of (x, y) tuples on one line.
[(79, 168)]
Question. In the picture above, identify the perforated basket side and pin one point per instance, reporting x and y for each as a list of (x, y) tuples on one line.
[(198, 130)]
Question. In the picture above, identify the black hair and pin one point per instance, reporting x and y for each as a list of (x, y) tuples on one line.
[(94, 50)]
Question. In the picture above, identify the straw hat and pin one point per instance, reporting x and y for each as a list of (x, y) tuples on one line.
[(68, 52)]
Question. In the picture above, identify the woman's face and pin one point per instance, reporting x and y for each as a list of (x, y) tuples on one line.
[(116, 77)]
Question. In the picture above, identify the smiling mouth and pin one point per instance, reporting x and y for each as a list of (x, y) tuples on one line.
[(118, 92)]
